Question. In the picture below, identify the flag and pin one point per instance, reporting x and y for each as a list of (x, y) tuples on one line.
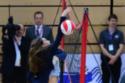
[(63, 8), (84, 43)]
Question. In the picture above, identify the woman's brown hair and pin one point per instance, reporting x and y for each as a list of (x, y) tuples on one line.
[(34, 60)]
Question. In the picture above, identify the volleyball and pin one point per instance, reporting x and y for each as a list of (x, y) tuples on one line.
[(67, 27)]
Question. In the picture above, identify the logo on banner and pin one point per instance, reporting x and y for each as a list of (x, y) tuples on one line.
[(94, 75)]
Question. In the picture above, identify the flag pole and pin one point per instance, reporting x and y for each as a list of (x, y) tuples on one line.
[(84, 46), (62, 47), (111, 6)]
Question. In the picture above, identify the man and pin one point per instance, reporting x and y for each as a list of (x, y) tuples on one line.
[(42, 31), (111, 42), (39, 29), (15, 57)]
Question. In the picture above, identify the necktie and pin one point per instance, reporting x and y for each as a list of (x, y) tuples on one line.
[(37, 31), (19, 46)]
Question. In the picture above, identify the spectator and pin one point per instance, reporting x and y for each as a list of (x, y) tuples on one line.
[(15, 57), (39, 29), (111, 42)]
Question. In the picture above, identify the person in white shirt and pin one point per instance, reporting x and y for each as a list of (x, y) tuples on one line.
[(15, 58)]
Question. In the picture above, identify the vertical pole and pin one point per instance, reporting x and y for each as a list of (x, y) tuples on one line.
[(62, 46), (111, 6), (84, 46), (9, 10)]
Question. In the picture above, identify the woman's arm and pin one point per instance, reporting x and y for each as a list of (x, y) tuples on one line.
[(60, 54), (60, 34)]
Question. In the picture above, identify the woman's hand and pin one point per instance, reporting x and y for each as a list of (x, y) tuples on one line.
[(66, 11), (79, 26)]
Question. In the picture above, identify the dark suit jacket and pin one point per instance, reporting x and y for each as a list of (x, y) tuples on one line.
[(47, 33), (9, 55)]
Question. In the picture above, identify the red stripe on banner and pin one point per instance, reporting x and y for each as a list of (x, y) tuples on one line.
[(63, 7), (83, 53)]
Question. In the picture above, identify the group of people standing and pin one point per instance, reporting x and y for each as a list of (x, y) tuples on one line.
[(28, 53)]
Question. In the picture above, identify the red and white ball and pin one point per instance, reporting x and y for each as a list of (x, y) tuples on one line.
[(67, 27)]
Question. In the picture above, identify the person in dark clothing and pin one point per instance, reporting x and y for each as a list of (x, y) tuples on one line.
[(39, 29), (111, 42), (41, 54), (15, 56)]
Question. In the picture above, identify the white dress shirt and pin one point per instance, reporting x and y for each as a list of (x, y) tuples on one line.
[(40, 30), (18, 54)]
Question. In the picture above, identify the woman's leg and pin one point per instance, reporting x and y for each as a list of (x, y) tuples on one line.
[(54, 75)]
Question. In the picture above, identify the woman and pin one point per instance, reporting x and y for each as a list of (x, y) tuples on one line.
[(41, 54)]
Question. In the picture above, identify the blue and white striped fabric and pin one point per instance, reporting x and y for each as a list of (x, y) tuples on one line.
[(93, 71), (73, 63)]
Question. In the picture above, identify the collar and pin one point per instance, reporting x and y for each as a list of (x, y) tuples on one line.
[(107, 30), (18, 40), (39, 26)]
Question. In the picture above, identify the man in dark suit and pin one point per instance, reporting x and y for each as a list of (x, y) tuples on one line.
[(39, 29), (15, 57)]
